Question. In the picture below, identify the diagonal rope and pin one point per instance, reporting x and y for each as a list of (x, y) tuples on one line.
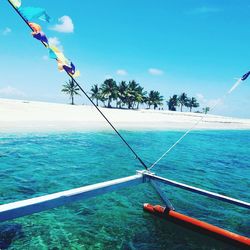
[(238, 82), (116, 131), (112, 126), (84, 92)]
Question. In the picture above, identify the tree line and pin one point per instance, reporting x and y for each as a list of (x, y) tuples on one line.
[(131, 95)]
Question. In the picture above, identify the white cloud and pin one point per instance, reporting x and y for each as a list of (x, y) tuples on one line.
[(11, 92), (55, 42), (65, 25), (121, 72), (6, 31), (204, 10), (155, 72), (212, 103)]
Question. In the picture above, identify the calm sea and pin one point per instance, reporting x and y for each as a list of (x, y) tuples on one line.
[(38, 164)]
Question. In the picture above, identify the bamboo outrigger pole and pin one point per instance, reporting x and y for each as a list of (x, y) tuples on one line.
[(42, 203), (38, 204)]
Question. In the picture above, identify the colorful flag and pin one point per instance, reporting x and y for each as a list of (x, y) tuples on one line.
[(71, 70), (38, 34), (35, 27), (244, 77), (16, 3), (42, 37), (52, 53), (55, 53), (31, 13)]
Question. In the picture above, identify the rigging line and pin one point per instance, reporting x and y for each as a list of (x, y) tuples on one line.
[(177, 142), (79, 86), (112, 126), (19, 14), (15, 9), (199, 121)]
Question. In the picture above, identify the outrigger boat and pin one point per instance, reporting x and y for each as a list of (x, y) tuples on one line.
[(167, 212), (30, 206)]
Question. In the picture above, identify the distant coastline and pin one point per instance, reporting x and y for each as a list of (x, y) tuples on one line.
[(32, 116)]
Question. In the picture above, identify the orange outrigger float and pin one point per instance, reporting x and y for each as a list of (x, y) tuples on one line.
[(197, 225), (38, 204)]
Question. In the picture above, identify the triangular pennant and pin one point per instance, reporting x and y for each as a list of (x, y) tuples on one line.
[(31, 13)]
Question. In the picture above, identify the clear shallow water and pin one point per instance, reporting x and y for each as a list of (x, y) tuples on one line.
[(37, 164)]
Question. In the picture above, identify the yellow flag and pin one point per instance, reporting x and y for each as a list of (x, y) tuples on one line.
[(55, 53)]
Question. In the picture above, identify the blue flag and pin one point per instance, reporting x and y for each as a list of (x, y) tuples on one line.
[(42, 37), (70, 69), (31, 13), (244, 77)]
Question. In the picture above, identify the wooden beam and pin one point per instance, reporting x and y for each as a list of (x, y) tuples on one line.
[(26, 207), (151, 176), (162, 195)]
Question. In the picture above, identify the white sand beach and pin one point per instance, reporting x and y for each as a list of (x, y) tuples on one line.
[(32, 116)]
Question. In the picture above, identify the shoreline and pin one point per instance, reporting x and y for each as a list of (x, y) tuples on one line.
[(33, 116)]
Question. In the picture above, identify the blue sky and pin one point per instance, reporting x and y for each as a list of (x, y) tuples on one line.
[(197, 47)]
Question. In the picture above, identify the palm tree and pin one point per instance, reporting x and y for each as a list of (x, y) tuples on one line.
[(122, 90), (183, 100), (158, 100), (154, 98), (71, 89), (150, 98), (173, 102), (131, 93), (109, 90), (140, 96), (103, 99), (95, 93), (192, 103), (206, 110)]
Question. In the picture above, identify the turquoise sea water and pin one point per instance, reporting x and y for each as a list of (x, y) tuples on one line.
[(38, 164)]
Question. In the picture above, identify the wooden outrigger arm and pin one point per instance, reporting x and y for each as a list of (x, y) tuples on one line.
[(30, 206), (155, 178)]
